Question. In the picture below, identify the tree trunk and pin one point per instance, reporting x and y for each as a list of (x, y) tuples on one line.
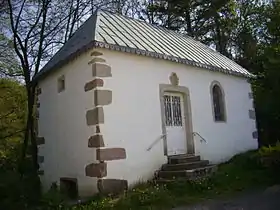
[(34, 149), (220, 42), (23, 150), (30, 133), (189, 23)]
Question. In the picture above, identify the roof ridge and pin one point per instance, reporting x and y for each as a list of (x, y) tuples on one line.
[(171, 31), (138, 36), (150, 24)]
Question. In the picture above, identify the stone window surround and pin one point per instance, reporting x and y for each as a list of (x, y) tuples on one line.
[(187, 112), (215, 82)]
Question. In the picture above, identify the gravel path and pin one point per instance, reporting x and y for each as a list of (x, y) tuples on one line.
[(262, 200)]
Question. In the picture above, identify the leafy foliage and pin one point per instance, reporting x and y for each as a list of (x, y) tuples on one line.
[(14, 188), (266, 87), (17, 192), (12, 121), (244, 30)]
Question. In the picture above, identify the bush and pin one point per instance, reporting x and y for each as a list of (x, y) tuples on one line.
[(18, 192), (270, 157), (53, 199)]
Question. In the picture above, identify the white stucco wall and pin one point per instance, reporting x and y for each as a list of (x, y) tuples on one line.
[(133, 120), (62, 123)]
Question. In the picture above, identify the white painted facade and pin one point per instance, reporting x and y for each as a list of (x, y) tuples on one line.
[(133, 120), (62, 123)]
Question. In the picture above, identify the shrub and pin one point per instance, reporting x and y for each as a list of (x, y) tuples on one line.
[(270, 157), (53, 198), (18, 192)]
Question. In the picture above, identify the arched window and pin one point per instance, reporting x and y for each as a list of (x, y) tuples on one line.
[(218, 102)]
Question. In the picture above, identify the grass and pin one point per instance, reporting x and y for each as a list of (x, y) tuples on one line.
[(243, 171)]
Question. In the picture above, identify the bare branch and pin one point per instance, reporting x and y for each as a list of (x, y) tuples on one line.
[(32, 28), (41, 38)]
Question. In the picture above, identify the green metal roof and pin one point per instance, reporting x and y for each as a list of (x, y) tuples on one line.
[(116, 32)]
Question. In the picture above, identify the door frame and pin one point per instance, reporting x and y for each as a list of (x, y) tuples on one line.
[(187, 115)]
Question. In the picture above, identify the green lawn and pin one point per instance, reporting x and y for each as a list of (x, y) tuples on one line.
[(242, 172)]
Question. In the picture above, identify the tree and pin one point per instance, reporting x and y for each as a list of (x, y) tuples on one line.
[(207, 20), (12, 118), (267, 86), (39, 28), (9, 66)]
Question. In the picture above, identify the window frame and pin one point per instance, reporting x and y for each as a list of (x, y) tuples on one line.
[(60, 81), (223, 102)]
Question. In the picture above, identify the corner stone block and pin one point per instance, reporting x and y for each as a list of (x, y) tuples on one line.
[(36, 127), (251, 96), (37, 114), (96, 141), (252, 114), (112, 186), (255, 134), (40, 140), (110, 154), (38, 91), (41, 159), (95, 116), (102, 97), (41, 172), (96, 53), (93, 84), (101, 70), (96, 170), (97, 129), (97, 60)]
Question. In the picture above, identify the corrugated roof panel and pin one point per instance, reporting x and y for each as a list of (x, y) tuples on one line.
[(130, 41), (186, 52), (118, 31), (153, 36), (144, 35), (164, 41), (136, 36)]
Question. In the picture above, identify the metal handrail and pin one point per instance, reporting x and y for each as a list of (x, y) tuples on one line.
[(201, 138), (156, 141)]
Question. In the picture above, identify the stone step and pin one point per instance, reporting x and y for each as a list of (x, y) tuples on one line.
[(164, 181), (201, 172), (185, 166), (190, 174), (183, 159), (169, 181)]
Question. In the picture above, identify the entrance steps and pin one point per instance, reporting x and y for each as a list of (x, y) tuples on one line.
[(184, 167)]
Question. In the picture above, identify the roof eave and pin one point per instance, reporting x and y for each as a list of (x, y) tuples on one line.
[(170, 58), (44, 72)]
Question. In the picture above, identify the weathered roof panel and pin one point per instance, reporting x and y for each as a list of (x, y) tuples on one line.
[(80, 39), (117, 32), (144, 36)]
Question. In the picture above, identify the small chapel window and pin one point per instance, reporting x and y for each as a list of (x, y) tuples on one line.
[(218, 103), (61, 84)]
